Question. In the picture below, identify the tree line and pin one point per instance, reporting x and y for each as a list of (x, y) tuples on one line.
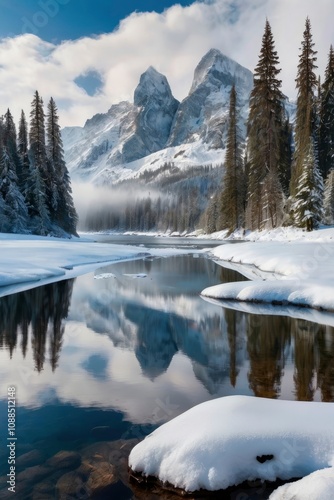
[(166, 199), (285, 173), (35, 187)]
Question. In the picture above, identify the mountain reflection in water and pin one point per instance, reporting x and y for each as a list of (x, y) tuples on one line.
[(160, 317)]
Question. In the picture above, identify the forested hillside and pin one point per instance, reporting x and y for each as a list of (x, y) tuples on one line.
[(276, 168), (35, 187)]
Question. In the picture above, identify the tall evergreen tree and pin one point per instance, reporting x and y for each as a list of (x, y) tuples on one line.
[(39, 178), (329, 198), (37, 137), (326, 127), (308, 205), (15, 209), (233, 195), (62, 208), (306, 122), (22, 148), (266, 131)]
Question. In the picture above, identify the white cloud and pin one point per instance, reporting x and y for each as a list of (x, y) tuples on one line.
[(173, 42)]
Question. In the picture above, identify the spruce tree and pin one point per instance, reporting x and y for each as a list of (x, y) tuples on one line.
[(9, 139), (233, 195), (38, 184), (212, 215), (308, 204), (15, 209), (326, 127), (306, 122), (22, 148), (37, 138), (329, 198), (266, 131), (62, 208)]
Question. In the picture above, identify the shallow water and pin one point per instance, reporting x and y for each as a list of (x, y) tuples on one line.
[(99, 360)]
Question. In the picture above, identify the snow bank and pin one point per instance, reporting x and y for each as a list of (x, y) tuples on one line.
[(296, 273), (317, 486), (229, 440), (27, 261), (292, 292), (290, 233)]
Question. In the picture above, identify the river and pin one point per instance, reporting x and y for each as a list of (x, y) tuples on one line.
[(113, 354)]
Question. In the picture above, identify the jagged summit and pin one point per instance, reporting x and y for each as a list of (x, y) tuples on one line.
[(215, 67), (200, 114), (152, 85), (110, 144)]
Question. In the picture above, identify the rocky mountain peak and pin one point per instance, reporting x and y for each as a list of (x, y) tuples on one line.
[(152, 86), (203, 114), (216, 69)]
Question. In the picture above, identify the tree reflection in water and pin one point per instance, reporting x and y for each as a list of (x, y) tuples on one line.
[(220, 342), (41, 312)]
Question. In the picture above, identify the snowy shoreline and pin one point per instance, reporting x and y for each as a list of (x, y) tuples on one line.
[(233, 439), (284, 273), (29, 261)]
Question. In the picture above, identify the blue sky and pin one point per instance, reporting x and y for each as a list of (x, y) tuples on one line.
[(90, 54), (56, 20)]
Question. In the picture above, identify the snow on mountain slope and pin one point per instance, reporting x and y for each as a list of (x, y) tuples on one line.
[(156, 128), (184, 156), (204, 113)]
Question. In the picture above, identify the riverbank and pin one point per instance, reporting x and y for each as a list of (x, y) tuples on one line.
[(297, 273), (28, 261)]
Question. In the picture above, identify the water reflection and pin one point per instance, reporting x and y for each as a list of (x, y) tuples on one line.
[(40, 311), (125, 342)]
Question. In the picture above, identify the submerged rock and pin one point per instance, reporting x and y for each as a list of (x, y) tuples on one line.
[(64, 460), (70, 485), (29, 459), (101, 477)]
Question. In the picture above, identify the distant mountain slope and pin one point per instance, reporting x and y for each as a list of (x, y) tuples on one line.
[(203, 114), (156, 128)]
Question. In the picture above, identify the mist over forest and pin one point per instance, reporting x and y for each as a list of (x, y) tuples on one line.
[(167, 199)]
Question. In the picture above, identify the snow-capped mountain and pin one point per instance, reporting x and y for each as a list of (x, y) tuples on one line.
[(203, 113), (156, 128)]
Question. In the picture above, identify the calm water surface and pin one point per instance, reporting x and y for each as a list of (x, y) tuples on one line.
[(112, 356)]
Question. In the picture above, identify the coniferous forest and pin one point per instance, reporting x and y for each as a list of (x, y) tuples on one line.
[(281, 174), (35, 187), (285, 175)]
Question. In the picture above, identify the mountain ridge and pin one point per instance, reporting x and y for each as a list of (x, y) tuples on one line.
[(156, 128)]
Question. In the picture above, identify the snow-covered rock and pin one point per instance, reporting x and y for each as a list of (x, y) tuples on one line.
[(316, 486), (203, 114), (297, 273), (155, 128), (227, 441)]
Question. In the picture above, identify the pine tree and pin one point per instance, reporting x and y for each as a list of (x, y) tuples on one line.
[(37, 137), (329, 198), (266, 130), (22, 148), (326, 128), (62, 207), (212, 216), (9, 140), (233, 196), (15, 209), (4, 223), (306, 123), (38, 184), (308, 205)]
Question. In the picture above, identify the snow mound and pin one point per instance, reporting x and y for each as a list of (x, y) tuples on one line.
[(295, 273), (230, 440), (292, 292), (317, 486)]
